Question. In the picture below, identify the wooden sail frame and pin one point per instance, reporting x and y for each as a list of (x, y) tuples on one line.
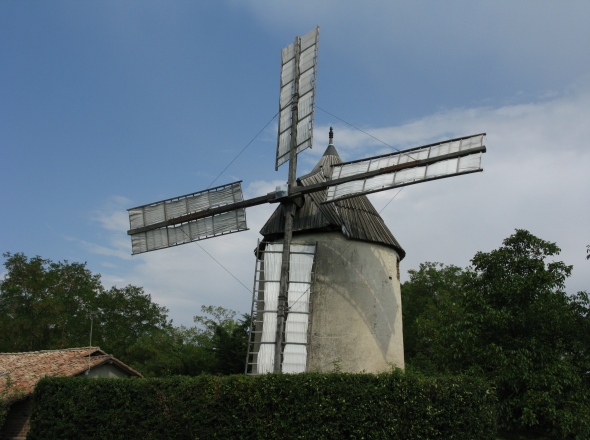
[(295, 191)]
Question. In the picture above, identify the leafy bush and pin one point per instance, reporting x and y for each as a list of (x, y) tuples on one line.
[(312, 405), (508, 320)]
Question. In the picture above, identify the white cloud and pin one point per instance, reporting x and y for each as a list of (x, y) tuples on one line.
[(536, 177), (113, 219), (112, 215), (119, 251)]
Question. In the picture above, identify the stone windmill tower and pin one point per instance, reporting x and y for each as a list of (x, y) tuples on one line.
[(326, 290), (353, 306)]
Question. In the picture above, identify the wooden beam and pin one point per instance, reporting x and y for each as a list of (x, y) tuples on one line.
[(298, 191)]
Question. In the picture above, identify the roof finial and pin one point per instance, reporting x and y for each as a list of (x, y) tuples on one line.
[(331, 137)]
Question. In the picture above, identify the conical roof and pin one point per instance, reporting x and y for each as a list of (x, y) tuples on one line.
[(356, 217)]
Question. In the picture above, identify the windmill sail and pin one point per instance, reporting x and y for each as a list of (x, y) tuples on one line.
[(429, 162), (265, 305), (168, 222), (298, 85)]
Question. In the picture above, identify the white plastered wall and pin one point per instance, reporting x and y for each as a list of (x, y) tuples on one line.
[(356, 323)]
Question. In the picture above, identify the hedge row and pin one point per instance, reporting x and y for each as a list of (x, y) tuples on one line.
[(310, 406)]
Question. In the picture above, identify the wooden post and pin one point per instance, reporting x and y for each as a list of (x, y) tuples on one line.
[(289, 209)]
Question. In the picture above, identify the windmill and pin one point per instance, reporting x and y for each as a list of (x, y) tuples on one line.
[(331, 215)]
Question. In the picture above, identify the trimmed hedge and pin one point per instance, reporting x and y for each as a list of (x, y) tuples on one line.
[(312, 405)]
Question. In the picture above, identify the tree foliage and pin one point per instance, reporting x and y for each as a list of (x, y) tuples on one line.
[(507, 318), (430, 291), (46, 305), (225, 336), (216, 345)]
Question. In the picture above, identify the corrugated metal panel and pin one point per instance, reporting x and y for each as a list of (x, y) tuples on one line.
[(355, 217)]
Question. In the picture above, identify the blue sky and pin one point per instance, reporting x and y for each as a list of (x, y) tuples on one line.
[(109, 105)]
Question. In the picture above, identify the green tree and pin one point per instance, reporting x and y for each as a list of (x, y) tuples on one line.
[(508, 319), (225, 336), (171, 351), (431, 288), (124, 315), (216, 345), (46, 305)]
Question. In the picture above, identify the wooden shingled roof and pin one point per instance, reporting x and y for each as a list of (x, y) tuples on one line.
[(23, 370), (356, 217)]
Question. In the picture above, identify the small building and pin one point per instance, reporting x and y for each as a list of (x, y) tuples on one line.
[(20, 372)]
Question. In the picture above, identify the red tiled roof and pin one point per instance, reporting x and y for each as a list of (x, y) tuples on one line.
[(27, 368)]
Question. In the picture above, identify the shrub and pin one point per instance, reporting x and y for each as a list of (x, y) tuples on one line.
[(311, 405)]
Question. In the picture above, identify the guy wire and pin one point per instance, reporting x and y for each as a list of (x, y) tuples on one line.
[(243, 149)]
